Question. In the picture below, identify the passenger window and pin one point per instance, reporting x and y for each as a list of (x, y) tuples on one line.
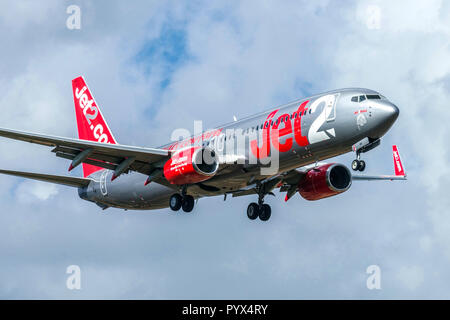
[(362, 98), (355, 99)]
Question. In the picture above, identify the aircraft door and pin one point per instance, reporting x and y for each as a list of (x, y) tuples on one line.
[(330, 107)]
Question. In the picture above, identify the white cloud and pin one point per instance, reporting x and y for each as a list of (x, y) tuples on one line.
[(411, 277), (29, 191)]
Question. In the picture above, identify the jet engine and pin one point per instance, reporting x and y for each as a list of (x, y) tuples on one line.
[(325, 181), (191, 165)]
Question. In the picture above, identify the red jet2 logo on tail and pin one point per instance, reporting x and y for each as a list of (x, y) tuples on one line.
[(93, 126), (91, 123)]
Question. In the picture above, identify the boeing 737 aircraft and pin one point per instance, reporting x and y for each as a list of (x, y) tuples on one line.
[(282, 148)]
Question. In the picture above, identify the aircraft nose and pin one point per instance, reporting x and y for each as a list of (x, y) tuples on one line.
[(385, 115), (389, 112)]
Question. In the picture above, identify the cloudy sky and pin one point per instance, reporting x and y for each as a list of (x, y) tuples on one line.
[(159, 65)]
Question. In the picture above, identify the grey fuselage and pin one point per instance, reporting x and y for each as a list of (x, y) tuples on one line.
[(330, 124)]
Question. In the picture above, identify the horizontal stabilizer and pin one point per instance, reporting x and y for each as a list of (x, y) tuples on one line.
[(399, 170), (67, 181), (381, 177)]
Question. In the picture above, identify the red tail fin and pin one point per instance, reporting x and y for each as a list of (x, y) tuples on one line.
[(91, 124), (398, 166)]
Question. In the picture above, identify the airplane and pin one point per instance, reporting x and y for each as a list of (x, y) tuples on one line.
[(281, 148)]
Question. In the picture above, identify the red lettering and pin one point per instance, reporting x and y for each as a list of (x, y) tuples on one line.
[(264, 150), (278, 133), (301, 140)]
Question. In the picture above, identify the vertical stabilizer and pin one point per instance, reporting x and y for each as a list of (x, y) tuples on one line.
[(91, 124)]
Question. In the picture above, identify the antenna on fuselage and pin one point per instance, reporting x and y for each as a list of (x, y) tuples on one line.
[(234, 118)]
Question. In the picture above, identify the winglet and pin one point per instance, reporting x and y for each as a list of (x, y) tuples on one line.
[(398, 166)]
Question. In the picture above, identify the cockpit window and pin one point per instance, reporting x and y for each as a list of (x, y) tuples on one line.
[(373, 96), (355, 99), (362, 98)]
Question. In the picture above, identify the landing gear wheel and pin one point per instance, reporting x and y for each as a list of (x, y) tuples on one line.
[(187, 203), (362, 165), (265, 212), (252, 211), (175, 202), (355, 165)]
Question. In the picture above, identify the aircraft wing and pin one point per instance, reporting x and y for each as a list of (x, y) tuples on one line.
[(108, 156)]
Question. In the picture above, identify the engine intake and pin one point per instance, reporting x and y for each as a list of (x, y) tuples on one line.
[(192, 165), (325, 181)]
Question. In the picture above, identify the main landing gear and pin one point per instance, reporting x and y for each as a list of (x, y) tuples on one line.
[(263, 212), (260, 209), (177, 202)]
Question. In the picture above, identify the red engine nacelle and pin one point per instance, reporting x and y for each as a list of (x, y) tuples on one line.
[(192, 165), (325, 181)]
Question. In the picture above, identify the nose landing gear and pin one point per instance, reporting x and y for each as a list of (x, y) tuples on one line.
[(364, 145), (358, 165)]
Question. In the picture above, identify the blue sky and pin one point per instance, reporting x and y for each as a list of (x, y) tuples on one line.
[(157, 66)]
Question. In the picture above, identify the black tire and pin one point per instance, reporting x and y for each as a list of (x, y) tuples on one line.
[(355, 165), (362, 165), (265, 212), (253, 211), (187, 203), (175, 202)]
